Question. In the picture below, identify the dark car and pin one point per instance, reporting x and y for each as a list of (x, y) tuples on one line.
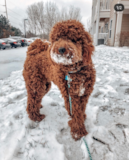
[(3, 44), (12, 42), (23, 42), (20, 40)]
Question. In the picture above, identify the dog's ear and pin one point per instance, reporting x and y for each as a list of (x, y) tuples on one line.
[(87, 48)]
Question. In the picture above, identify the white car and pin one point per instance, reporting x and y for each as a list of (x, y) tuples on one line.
[(34, 38), (29, 41)]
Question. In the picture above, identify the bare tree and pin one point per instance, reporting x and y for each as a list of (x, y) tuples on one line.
[(88, 24), (70, 13), (36, 18), (74, 13), (51, 15), (123, 38), (32, 19), (42, 16)]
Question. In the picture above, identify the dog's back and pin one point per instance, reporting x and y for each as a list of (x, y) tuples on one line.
[(37, 58)]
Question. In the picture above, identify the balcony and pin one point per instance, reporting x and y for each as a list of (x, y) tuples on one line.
[(103, 36), (104, 11), (105, 5), (125, 3), (105, 8)]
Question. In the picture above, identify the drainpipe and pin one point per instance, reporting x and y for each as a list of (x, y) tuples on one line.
[(97, 22)]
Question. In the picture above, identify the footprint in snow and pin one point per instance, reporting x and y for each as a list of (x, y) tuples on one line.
[(55, 95), (127, 91), (72, 148)]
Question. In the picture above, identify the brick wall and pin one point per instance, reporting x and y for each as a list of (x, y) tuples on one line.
[(125, 23), (125, 28)]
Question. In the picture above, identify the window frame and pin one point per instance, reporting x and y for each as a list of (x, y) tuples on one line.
[(110, 29)]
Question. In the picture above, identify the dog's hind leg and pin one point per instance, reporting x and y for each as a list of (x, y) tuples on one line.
[(37, 84), (37, 87)]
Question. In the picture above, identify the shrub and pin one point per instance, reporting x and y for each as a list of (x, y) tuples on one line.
[(124, 38)]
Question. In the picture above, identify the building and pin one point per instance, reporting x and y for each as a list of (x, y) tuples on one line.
[(107, 24)]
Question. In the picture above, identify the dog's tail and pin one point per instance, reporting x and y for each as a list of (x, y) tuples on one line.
[(37, 47)]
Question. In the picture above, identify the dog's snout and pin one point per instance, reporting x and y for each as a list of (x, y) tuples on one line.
[(62, 50)]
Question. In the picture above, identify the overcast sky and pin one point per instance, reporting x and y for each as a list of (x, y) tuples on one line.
[(17, 9)]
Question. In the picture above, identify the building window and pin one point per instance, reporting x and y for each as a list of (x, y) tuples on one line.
[(102, 30), (106, 27), (107, 5), (110, 31)]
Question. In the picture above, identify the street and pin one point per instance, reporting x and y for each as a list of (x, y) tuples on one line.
[(11, 60)]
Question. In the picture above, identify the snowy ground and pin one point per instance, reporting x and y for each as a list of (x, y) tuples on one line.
[(107, 116), (11, 59)]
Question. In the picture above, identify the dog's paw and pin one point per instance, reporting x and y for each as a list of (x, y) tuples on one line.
[(79, 134), (36, 117), (77, 130)]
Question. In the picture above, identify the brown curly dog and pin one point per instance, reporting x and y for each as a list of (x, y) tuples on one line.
[(69, 54)]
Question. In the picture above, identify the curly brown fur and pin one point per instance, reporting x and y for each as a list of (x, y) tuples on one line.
[(44, 64)]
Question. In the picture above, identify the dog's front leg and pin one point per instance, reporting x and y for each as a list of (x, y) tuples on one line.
[(78, 101), (78, 117)]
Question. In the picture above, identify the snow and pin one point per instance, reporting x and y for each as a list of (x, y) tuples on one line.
[(11, 59), (61, 59), (82, 90), (107, 116)]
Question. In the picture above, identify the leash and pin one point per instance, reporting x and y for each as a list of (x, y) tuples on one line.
[(68, 79)]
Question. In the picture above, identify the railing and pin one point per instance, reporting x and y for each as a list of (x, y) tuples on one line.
[(102, 35), (105, 4)]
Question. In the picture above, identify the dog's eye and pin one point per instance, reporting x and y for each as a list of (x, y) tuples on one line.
[(73, 41)]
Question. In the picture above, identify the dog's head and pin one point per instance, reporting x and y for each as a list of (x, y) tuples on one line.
[(70, 44)]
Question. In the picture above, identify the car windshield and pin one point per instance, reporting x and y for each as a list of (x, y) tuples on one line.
[(4, 39), (16, 37), (8, 39), (1, 41), (11, 39)]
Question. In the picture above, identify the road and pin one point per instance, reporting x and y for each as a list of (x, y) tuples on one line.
[(11, 60)]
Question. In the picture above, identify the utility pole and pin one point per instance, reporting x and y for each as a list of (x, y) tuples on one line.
[(7, 15), (25, 26), (97, 22), (6, 9)]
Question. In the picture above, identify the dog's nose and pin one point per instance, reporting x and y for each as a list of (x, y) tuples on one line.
[(62, 50)]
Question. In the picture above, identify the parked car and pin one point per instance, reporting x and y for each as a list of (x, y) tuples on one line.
[(29, 41), (3, 44), (23, 42), (34, 38), (12, 42), (20, 40)]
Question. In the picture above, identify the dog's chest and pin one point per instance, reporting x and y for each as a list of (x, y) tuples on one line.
[(77, 84)]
